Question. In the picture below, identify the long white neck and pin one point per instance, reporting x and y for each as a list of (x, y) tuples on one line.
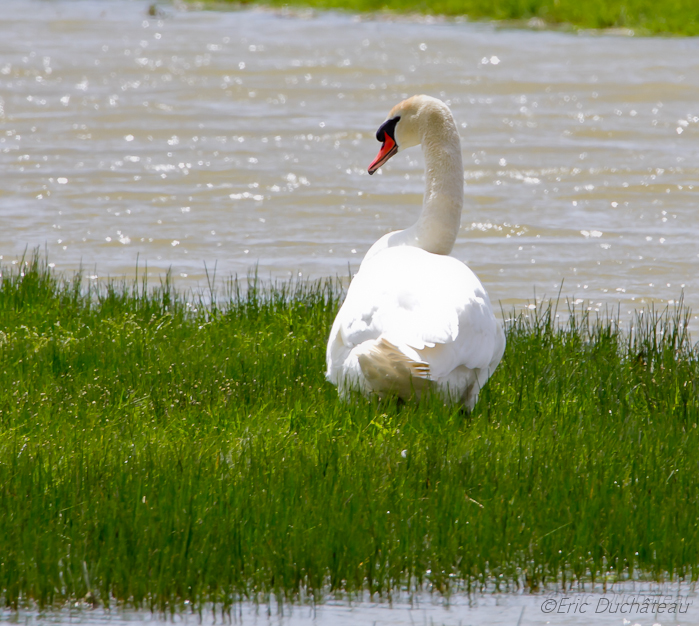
[(438, 225)]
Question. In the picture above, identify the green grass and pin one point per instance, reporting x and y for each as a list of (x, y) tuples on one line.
[(154, 451), (647, 16)]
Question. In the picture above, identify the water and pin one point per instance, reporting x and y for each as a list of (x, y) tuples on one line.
[(631, 604), (234, 140)]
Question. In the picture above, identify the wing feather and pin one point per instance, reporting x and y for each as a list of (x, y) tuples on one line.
[(431, 307)]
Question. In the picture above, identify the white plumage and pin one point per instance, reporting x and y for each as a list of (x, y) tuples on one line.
[(415, 317)]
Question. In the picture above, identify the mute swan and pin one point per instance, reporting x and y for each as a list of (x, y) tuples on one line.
[(415, 317)]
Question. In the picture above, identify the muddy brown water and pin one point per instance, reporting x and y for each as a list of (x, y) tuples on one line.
[(240, 140)]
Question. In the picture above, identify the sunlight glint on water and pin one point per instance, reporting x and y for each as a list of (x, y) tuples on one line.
[(241, 139)]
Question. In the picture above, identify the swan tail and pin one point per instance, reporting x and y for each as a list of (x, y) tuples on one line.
[(388, 370)]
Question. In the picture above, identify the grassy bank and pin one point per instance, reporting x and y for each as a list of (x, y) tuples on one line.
[(153, 452), (679, 17)]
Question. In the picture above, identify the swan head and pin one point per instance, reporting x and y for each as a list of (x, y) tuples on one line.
[(406, 126)]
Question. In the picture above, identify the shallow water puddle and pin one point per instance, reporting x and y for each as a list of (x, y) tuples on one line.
[(632, 604)]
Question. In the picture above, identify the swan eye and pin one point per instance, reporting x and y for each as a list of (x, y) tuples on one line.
[(387, 128)]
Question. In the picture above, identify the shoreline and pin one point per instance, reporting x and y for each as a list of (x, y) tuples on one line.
[(549, 15)]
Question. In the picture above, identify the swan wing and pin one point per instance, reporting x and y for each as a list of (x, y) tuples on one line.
[(431, 307)]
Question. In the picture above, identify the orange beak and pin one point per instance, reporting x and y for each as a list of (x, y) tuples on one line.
[(388, 149)]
